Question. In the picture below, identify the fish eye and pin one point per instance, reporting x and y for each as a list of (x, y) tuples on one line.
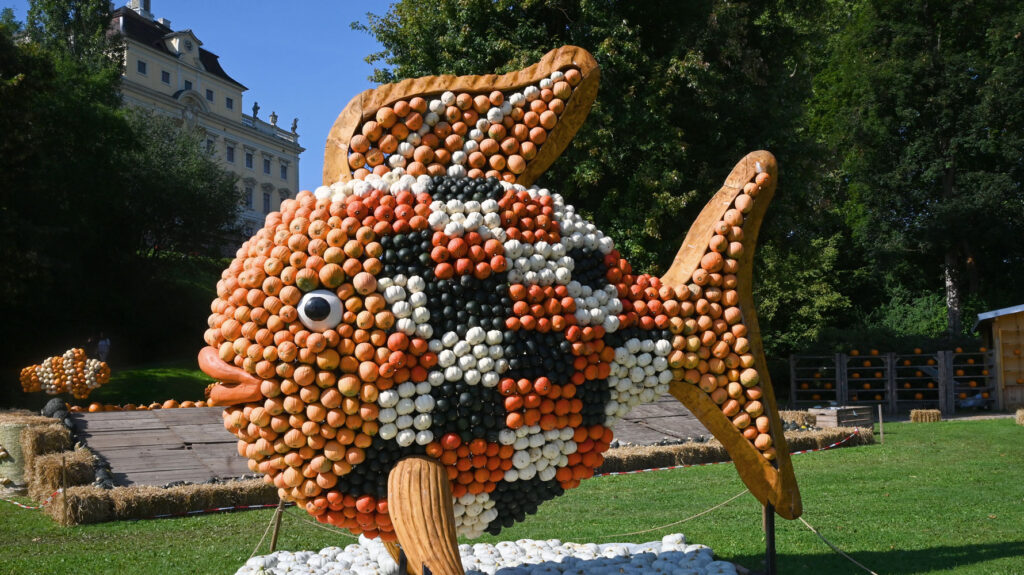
[(320, 310)]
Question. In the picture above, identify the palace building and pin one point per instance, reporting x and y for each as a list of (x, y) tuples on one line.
[(169, 72)]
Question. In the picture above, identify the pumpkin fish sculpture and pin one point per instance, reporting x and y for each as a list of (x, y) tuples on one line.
[(71, 372), (430, 346)]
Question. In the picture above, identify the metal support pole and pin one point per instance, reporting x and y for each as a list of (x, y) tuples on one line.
[(277, 525), (769, 539)]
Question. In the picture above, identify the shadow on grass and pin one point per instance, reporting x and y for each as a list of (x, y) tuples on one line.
[(897, 561)]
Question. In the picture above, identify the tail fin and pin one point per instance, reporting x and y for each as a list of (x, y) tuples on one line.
[(721, 241), (540, 123)]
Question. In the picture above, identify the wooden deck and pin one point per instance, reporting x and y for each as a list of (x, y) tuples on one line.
[(164, 445), (664, 419)]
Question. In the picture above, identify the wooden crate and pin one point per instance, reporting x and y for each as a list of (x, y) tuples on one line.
[(844, 416)]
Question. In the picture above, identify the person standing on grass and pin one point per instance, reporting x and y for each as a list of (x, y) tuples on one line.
[(102, 347)]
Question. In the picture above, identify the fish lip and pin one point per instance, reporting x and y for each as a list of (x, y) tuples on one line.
[(234, 385)]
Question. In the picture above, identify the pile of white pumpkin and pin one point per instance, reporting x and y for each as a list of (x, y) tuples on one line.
[(670, 556)]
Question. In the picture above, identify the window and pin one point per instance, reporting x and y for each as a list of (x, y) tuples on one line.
[(141, 67), (229, 103), (284, 172), (188, 85), (248, 197), (229, 154), (209, 145), (165, 77), (266, 165), (209, 95), (248, 160), (266, 202)]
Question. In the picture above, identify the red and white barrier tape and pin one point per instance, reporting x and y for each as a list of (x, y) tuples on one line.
[(40, 506), (834, 445)]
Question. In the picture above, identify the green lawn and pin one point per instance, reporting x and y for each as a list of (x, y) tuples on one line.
[(179, 380), (936, 498)]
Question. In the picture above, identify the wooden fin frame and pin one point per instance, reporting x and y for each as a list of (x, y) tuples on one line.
[(364, 106), (775, 484), (422, 510)]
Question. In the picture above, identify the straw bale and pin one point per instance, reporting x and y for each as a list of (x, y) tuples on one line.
[(86, 504), (1020, 416), (925, 415), (245, 492), (633, 458), (23, 417), (819, 438), (799, 417), (46, 471), (38, 440), (195, 497), (143, 501), (92, 504)]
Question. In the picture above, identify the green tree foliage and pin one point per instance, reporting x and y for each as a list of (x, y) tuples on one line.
[(74, 29), (58, 162), (177, 197), (923, 105), (799, 294), (104, 213), (687, 89)]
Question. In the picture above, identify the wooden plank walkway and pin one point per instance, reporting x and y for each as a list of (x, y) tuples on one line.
[(190, 444), (160, 446), (664, 419)]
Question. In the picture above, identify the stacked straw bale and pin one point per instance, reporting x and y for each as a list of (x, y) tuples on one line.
[(25, 436), (634, 458), (89, 504), (799, 417), (47, 471), (925, 415), (39, 440), (1020, 416), (12, 457)]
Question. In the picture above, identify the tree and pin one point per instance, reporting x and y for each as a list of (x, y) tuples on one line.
[(74, 29), (923, 104), (178, 198), (106, 216), (686, 90), (58, 165)]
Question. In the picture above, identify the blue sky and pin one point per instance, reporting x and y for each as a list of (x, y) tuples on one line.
[(299, 59)]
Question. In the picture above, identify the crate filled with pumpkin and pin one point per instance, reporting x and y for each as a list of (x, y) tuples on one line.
[(917, 377), (867, 376), (431, 344)]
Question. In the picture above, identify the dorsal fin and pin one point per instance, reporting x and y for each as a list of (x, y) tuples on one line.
[(342, 162)]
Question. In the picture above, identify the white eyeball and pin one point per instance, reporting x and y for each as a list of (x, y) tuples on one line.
[(320, 310)]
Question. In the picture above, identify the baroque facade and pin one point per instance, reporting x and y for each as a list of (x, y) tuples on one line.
[(169, 72)]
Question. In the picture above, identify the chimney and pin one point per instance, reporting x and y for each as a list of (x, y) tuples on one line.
[(141, 7), (165, 22)]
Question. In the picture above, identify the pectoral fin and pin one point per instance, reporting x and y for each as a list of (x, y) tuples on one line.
[(420, 503)]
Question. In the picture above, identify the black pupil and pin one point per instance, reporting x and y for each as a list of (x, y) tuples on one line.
[(317, 308)]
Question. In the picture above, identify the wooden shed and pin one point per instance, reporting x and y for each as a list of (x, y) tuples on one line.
[(1003, 332)]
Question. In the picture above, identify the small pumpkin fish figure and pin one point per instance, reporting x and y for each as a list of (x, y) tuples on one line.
[(429, 346)]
